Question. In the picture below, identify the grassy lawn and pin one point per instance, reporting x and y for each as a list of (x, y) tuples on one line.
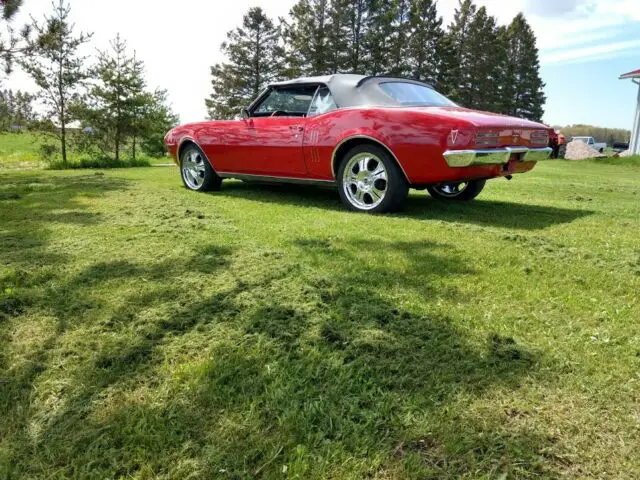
[(263, 332), (20, 151)]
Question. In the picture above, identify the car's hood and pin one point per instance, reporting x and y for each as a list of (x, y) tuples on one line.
[(479, 119)]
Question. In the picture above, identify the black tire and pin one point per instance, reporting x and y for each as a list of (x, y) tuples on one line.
[(196, 171), (463, 191), (394, 186)]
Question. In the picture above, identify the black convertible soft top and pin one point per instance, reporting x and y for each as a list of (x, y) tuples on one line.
[(349, 90)]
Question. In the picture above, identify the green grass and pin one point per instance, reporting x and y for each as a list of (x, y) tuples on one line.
[(628, 161), (21, 151), (263, 332), (100, 163)]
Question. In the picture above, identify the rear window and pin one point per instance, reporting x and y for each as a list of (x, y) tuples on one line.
[(412, 95)]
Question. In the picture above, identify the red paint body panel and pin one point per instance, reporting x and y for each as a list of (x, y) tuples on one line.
[(298, 147)]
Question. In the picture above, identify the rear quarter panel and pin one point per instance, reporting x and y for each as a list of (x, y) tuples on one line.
[(417, 139)]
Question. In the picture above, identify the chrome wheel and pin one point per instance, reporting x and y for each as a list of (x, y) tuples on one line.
[(451, 190), (365, 181), (193, 169)]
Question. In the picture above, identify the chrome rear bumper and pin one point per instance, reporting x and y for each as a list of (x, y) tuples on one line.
[(494, 156)]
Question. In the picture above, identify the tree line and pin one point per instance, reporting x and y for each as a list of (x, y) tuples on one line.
[(474, 61), (106, 95), (601, 134)]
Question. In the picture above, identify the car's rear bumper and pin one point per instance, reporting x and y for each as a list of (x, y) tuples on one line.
[(495, 156)]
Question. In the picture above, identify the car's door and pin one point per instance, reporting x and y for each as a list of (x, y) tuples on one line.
[(270, 141)]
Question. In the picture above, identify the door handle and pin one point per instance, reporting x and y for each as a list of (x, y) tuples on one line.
[(297, 128)]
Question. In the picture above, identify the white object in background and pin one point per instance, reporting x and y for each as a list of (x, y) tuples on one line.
[(634, 145)]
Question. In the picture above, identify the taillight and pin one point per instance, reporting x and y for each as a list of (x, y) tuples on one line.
[(487, 139), (540, 137)]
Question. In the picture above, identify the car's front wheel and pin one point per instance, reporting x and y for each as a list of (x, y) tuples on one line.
[(369, 180), (457, 190), (196, 171)]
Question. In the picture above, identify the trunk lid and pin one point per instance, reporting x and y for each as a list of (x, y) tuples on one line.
[(480, 119), (486, 130)]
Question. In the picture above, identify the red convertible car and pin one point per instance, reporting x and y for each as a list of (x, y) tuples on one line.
[(372, 137)]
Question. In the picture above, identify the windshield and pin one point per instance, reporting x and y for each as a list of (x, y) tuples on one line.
[(413, 95)]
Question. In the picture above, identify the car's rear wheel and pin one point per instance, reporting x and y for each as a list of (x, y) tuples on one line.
[(457, 190), (369, 180), (196, 172)]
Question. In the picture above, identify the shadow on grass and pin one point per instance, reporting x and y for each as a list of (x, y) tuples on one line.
[(29, 204), (478, 212), (324, 373)]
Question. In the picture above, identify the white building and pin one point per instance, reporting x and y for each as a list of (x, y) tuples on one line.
[(634, 145)]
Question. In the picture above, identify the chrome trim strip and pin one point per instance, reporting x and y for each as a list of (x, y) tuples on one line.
[(537, 154), (275, 179), (191, 139), (494, 156), (367, 137)]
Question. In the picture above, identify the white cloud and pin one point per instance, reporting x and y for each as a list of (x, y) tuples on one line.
[(597, 52), (553, 8)]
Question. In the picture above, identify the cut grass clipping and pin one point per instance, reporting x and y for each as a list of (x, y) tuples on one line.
[(263, 332)]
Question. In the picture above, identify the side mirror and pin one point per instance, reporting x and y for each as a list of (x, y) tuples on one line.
[(244, 113)]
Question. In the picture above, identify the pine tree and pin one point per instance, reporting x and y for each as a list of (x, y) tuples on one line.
[(306, 36), (399, 46), (115, 98), (338, 37), (474, 42), (449, 67), (458, 46), (377, 37), (254, 59), (506, 74), (10, 46), (351, 16), (16, 110), (485, 63), (526, 96), (56, 67), (425, 42)]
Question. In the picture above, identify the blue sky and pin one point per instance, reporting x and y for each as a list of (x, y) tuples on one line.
[(584, 46), (581, 67)]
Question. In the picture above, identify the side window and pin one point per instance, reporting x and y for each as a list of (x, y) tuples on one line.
[(290, 101), (591, 141), (322, 102)]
